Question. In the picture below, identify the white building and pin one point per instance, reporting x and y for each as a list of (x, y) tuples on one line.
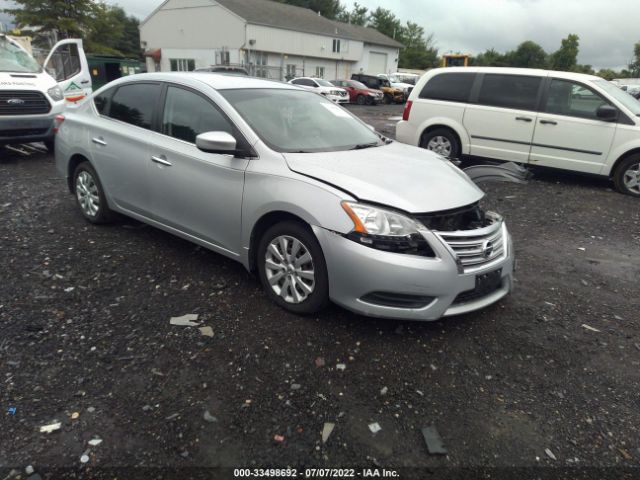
[(271, 39)]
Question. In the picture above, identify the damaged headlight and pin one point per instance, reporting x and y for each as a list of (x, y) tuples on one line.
[(384, 229)]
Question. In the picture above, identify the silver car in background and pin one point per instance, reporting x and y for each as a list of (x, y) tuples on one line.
[(294, 187)]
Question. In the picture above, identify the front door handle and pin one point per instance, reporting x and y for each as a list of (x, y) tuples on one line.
[(548, 122), (161, 160), (524, 119), (98, 141), (84, 82)]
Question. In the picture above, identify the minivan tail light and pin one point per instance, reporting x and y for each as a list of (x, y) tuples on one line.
[(407, 110), (57, 121)]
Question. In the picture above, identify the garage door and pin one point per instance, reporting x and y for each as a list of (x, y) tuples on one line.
[(377, 63)]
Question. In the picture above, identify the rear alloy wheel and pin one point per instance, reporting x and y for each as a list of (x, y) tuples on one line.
[(443, 142), (361, 100), (89, 194), (292, 268), (627, 176)]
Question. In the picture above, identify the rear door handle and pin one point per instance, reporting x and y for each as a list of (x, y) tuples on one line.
[(98, 141), (161, 160), (548, 122), (524, 119)]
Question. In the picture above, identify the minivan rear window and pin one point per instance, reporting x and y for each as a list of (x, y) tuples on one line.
[(452, 87), (519, 92)]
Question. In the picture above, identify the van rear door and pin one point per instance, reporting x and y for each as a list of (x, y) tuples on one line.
[(68, 64)]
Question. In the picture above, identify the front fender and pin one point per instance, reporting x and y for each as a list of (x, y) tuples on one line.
[(621, 146)]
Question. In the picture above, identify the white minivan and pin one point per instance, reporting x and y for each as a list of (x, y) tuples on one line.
[(31, 96), (553, 119)]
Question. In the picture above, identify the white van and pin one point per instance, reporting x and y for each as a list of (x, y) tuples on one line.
[(30, 97), (552, 119)]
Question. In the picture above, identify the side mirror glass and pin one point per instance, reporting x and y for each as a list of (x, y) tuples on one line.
[(216, 142), (607, 113)]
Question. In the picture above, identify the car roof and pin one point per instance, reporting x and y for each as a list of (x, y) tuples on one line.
[(517, 71), (218, 81)]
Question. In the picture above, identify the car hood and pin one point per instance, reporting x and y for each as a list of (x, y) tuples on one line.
[(397, 175)]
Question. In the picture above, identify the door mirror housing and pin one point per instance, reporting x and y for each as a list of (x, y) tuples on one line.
[(607, 113), (216, 142)]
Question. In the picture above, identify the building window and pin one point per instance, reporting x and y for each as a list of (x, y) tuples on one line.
[(336, 45), (291, 71), (182, 64), (320, 72), (224, 57)]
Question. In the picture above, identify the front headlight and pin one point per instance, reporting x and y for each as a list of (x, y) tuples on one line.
[(56, 93), (384, 229)]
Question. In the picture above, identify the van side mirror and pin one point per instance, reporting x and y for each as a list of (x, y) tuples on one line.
[(607, 113), (216, 142)]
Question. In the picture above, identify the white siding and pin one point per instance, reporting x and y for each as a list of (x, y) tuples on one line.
[(192, 24)]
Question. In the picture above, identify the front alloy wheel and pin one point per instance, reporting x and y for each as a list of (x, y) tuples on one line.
[(627, 176), (292, 268), (89, 194), (289, 269)]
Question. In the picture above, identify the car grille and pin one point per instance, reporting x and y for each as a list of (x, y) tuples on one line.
[(21, 102), (478, 248)]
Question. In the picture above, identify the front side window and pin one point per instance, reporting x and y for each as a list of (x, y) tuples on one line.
[(182, 64), (452, 87), (290, 120), (628, 101), (519, 92), (134, 103), (573, 99), (187, 115), (15, 59), (64, 62)]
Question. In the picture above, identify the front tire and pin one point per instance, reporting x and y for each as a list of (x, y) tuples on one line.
[(361, 100), (442, 141), (626, 177), (90, 195), (292, 268)]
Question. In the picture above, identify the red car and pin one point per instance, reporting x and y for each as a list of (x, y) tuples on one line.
[(359, 93)]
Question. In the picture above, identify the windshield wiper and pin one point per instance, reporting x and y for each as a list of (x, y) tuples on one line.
[(361, 146)]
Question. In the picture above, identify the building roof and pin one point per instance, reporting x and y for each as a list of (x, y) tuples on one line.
[(290, 17)]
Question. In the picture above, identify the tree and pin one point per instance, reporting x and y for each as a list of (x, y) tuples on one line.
[(634, 67), (528, 55), (419, 52), (566, 57), (608, 74), (114, 33), (359, 15), (58, 18), (385, 22), (490, 58)]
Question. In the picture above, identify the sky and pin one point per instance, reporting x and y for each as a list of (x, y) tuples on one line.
[(608, 29)]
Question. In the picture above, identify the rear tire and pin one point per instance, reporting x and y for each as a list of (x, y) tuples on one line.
[(626, 177), (361, 100), (90, 195), (442, 141), (292, 268)]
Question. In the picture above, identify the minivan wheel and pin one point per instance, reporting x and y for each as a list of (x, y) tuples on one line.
[(442, 141), (361, 100), (89, 194), (626, 178), (292, 268)]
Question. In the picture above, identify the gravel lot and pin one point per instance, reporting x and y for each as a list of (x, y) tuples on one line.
[(550, 376)]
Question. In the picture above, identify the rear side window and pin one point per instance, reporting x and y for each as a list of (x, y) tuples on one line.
[(102, 101), (453, 87), (134, 103), (510, 91)]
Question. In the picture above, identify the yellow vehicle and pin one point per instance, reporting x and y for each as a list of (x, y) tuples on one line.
[(455, 60)]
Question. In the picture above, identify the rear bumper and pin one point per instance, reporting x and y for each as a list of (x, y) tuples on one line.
[(356, 272), (406, 132), (29, 128)]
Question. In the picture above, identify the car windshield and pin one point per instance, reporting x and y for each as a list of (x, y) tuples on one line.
[(300, 121), (14, 59), (620, 95), (324, 83), (358, 85)]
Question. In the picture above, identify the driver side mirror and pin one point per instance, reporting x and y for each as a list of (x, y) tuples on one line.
[(216, 142), (607, 113)]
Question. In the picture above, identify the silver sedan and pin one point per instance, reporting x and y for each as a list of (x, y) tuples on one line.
[(313, 201)]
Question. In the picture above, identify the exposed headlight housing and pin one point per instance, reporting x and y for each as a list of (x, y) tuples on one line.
[(384, 229), (56, 93)]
